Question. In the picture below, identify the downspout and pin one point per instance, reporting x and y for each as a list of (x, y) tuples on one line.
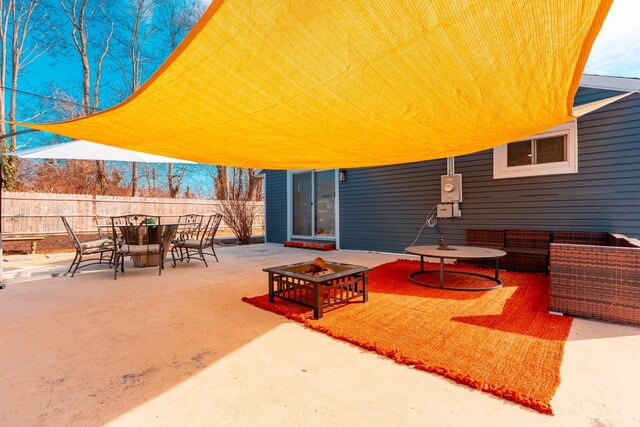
[(451, 166)]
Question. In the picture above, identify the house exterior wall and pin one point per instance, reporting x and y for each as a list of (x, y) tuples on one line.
[(384, 208), (275, 206)]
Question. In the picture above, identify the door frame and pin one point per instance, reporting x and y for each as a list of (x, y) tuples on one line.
[(290, 234)]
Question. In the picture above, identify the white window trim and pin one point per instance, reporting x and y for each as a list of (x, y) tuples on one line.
[(264, 206), (570, 129)]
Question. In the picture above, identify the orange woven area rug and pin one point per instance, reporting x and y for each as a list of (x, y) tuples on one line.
[(502, 341)]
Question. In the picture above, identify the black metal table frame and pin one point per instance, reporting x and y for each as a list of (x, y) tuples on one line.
[(167, 230), (453, 288)]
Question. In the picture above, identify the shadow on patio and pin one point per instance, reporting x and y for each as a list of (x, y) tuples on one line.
[(88, 349)]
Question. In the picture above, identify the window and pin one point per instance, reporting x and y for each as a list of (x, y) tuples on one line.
[(549, 153)]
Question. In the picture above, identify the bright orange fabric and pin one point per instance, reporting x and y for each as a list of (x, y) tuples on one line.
[(347, 83), (503, 341)]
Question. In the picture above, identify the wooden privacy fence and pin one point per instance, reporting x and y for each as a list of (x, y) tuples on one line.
[(39, 213)]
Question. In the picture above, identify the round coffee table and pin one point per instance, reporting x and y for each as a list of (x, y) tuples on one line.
[(456, 253)]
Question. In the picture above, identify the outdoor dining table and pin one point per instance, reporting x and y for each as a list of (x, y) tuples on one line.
[(167, 231)]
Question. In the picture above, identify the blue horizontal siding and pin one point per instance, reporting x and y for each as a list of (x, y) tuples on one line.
[(275, 205), (586, 95), (383, 208)]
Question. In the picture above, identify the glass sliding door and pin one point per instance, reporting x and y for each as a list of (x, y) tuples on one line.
[(313, 196), (325, 203), (302, 206)]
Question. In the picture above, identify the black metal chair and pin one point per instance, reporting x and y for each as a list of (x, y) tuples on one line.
[(140, 235), (189, 228), (95, 247), (194, 248), (192, 223), (103, 224)]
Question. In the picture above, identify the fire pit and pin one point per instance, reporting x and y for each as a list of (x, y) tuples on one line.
[(318, 284)]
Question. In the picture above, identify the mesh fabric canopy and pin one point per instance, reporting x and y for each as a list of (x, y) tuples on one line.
[(292, 84)]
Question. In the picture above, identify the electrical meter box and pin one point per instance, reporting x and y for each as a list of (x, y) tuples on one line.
[(451, 188)]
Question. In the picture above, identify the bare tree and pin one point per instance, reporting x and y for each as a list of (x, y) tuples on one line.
[(230, 182), (176, 18), (65, 176), (151, 173), (175, 177), (85, 18), (4, 27), (137, 28), (239, 215), (237, 189), (64, 104), (221, 182), (18, 19), (254, 185)]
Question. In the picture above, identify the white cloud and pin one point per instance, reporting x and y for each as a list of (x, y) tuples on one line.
[(616, 51)]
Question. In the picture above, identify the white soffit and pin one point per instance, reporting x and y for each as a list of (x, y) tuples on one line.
[(583, 109)]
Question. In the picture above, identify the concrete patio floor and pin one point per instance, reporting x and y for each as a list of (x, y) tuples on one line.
[(183, 349)]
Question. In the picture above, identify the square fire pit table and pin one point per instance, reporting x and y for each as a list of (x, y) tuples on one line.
[(341, 283)]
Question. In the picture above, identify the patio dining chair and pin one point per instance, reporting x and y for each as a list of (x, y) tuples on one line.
[(189, 228), (139, 235), (194, 248), (103, 224), (102, 246), (193, 224)]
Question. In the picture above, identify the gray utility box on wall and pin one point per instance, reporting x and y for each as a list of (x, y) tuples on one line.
[(449, 210), (451, 188)]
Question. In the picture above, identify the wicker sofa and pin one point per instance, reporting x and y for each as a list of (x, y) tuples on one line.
[(593, 274), (597, 281), (527, 250), (485, 237)]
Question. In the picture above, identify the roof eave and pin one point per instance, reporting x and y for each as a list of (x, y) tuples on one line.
[(620, 84)]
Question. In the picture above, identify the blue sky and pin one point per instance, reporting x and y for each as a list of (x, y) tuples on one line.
[(62, 69), (616, 51)]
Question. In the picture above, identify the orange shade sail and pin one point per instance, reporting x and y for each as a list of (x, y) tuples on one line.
[(293, 84)]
